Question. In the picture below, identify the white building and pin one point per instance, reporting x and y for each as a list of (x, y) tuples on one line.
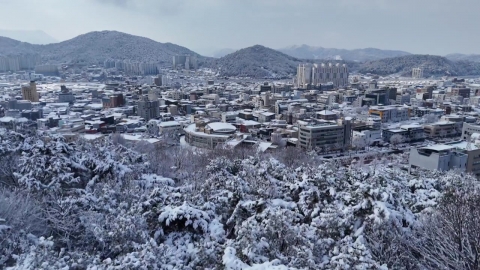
[(209, 135), (437, 157), (417, 73)]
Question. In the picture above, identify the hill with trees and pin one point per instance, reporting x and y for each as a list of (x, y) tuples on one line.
[(105, 204), (432, 65)]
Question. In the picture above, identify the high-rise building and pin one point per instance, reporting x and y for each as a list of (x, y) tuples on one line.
[(304, 75), (334, 73), (337, 74), (417, 73), (29, 92), (18, 62), (148, 109), (185, 61), (47, 70)]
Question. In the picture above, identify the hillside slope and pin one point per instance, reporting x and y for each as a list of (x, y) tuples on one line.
[(432, 66), (257, 62), (95, 47), (361, 55)]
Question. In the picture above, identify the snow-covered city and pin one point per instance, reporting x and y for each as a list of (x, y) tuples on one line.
[(121, 152)]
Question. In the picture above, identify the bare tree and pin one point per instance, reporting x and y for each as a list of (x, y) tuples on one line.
[(397, 139), (278, 140), (443, 133), (358, 143), (450, 237), (8, 166), (117, 138), (292, 156), (430, 118)]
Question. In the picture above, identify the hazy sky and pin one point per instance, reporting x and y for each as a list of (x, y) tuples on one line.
[(417, 26)]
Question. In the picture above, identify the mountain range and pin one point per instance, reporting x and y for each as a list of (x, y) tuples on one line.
[(95, 47), (30, 36), (256, 61), (463, 57), (432, 65), (360, 55)]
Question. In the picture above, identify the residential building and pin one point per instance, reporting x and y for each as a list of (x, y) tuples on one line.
[(392, 113), (47, 70), (461, 91), (304, 75), (409, 133), (370, 136), (148, 109), (322, 134), (417, 73), (442, 129), (30, 92), (469, 129), (437, 157), (461, 155), (316, 75), (184, 62), (65, 95), (334, 73)]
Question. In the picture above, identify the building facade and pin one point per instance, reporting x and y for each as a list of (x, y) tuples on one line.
[(30, 92), (320, 134), (316, 75), (148, 109), (417, 73), (393, 113)]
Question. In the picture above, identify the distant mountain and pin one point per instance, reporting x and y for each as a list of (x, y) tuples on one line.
[(222, 52), (12, 46), (432, 66), (30, 36), (361, 55), (95, 47), (463, 57), (257, 62)]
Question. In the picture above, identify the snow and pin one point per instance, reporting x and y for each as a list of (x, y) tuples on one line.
[(92, 136), (438, 147), (221, 127), (169, 124), (263, 146)]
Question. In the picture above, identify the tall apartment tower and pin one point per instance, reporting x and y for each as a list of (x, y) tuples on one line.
[(185, 61), (334, 73), (148, 109), (30, 92), (417, 73), (322, 74), (304, 75)]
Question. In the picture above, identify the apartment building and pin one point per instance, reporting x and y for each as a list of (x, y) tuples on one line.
[(148, 109), (443, 129), (437, 157), (460, 91), (410, 133), (443, 157), (393, 113), (468, 130), (337, 74), (368, 134), (321, 134), (417, 73), (334, 73), (29, 92)]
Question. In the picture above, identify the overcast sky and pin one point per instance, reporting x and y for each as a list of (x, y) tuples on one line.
[(417, 26)]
